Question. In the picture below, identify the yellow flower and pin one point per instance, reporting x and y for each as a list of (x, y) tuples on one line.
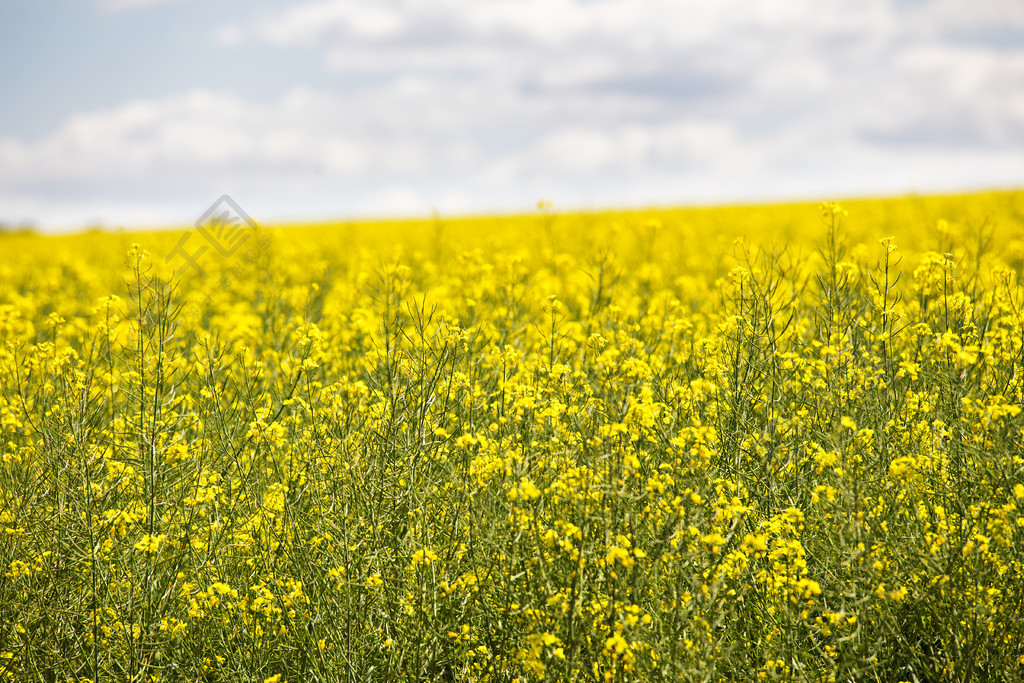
[(620, 555), (616, 644), (424, 556), (151, 544)]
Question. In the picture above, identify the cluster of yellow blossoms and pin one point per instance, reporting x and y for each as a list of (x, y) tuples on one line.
[(779, 443)]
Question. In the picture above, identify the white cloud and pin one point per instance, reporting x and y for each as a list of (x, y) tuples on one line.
[(472, 105), (633, 25), (938, 17), (951, 96), (588, 152)]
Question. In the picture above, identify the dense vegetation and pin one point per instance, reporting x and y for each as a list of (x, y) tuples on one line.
[(778, 443)]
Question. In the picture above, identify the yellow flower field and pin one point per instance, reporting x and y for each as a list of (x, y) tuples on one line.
[(758, 442)]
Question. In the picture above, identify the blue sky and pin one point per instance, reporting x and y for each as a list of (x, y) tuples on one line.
[(142, 112)]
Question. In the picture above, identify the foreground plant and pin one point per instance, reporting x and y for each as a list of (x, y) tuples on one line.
[(612, 459)]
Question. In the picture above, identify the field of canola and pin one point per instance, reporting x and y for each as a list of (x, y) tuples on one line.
[(762, 442)]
